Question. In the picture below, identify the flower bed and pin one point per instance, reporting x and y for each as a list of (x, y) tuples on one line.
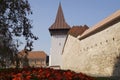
[(41, 74)]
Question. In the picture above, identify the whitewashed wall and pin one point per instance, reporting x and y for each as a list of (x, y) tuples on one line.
[(97, 55), (57, 43)]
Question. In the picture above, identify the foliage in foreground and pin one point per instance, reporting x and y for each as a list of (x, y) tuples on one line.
[(41, 74), (14, 23)]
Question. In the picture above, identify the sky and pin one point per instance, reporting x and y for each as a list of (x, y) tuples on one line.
[(76, 12)]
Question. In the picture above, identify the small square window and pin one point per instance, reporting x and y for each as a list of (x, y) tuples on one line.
[(113, 39), (59, 43), (106, 40)]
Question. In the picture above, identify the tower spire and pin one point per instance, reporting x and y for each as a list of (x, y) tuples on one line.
[(60, 16), (59, 21)]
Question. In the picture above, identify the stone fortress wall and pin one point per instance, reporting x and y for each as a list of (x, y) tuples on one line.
[(97, 51)]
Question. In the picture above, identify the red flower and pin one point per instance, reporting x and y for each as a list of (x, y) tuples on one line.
[(41, 74)]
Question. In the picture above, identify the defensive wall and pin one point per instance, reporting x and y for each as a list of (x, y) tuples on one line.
[(97, 51)]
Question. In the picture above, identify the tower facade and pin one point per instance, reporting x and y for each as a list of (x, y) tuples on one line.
[(58, 31)]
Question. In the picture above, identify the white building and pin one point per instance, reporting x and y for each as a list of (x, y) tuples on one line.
[(58, 31)]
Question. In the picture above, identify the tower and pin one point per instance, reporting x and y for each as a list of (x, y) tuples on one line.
[(58, 31)]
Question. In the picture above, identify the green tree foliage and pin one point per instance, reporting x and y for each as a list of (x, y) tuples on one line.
[(15, 23)]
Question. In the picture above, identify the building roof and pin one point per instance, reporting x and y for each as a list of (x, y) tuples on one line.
[(77, 30), (33, 54), (59, 21), (107, 22)]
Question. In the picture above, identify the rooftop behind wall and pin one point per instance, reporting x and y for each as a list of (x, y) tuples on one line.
[(77, 30)]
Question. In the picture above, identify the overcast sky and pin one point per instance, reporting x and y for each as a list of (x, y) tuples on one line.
[(76, 12)]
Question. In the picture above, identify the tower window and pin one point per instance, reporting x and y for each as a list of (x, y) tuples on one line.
[(59, 44)]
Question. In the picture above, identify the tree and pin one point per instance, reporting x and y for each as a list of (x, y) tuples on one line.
[(7, 50), (15, 23)]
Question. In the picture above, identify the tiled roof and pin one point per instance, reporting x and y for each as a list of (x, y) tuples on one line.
[(59, 21), (33, 54), (110, 20), (77, 30)]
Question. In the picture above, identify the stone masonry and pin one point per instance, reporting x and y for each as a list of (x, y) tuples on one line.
[(97, 54)]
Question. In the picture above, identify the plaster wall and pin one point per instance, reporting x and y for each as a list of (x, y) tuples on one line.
[(97, 55), (57, 43)]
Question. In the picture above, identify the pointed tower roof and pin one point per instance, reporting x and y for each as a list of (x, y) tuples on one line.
[(59, 21)]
